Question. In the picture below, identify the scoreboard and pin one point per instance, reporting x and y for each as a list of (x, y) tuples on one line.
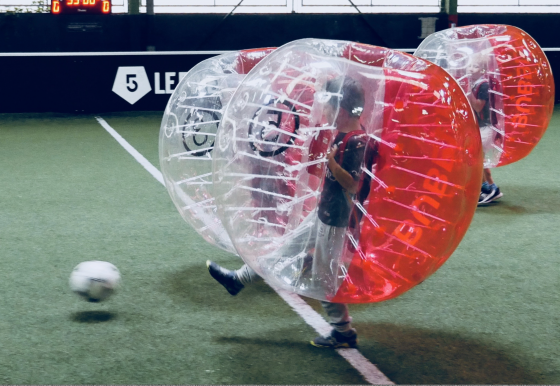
[(81, 6)]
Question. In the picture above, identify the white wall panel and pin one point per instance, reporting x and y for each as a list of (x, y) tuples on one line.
[(321, 6), (539, 2), (508, 6), (315, 3), (487, 2), (252, 2)]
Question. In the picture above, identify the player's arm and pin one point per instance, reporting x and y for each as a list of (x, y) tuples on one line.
[(344, 178), (477, 104)]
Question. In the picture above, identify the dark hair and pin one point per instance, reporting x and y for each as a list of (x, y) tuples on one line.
[(352, 94)]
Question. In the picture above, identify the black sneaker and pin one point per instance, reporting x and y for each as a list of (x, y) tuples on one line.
[(336, 340), (492, 195), (225, 277), (484, 196), (497, 195)]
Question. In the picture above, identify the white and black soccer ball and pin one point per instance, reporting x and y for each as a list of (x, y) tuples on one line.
[(95, 280)]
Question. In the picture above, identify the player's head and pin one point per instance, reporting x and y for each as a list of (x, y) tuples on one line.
[(352, 100), (478, 66)]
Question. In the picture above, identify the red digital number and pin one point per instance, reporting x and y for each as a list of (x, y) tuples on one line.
[(79, 6)]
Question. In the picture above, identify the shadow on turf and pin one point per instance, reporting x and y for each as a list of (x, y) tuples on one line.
[(417, 356), (195, 285), (93, 316), (285, 355)]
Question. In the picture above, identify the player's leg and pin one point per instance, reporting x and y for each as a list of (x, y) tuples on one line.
[(490, 191), (327, 258), (488, 176), (342, 334), (233, 280), (493, 186), (485, 190), (326, 268)]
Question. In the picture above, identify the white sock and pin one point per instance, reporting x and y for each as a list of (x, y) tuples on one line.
[(247, 275)]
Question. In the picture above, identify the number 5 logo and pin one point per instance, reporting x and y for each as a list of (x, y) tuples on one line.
[(131, 84), (130, 80)]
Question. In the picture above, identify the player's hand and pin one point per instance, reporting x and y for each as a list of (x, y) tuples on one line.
[(332, 153)]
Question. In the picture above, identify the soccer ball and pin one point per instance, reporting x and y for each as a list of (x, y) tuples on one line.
[(95, 280)]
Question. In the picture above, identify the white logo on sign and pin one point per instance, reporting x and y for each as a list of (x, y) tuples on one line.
[(131, 84)]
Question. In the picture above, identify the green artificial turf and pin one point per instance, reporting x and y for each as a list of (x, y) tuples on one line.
[(70, 193)]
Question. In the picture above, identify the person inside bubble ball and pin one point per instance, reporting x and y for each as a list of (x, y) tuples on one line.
[(479, 99), (334, 211)]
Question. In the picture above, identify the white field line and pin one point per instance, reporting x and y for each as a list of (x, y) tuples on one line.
[(133, 152), (368, 370)]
